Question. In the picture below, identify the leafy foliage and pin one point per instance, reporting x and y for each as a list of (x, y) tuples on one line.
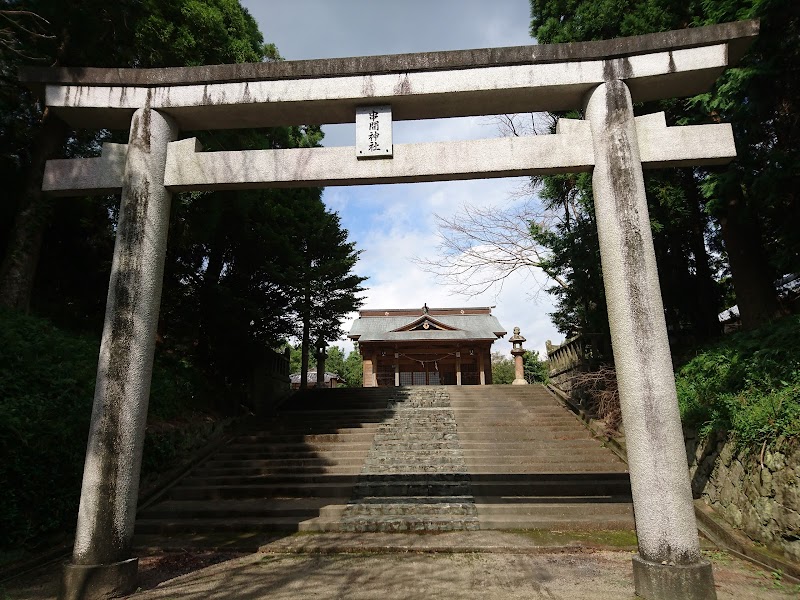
[(503, 369), (46, 388), (240, 266), (748, 385), (742, 212), (575, 255), (354, 369), (536, 370)]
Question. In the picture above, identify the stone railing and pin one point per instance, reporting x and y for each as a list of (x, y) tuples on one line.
[(579, 354)]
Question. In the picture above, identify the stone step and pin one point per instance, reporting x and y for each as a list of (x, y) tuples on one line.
[(418, 468), (416, 437), (439, 463), (451, 457), (217, 509), (328, 456), (234, 473), (341, 416), (244, 525), (419, 524), (570, 523), (502, 452), (508, 424), (519, 456), (498, 470), (294, 478), (409, 506), (518, 426), (289, 463), (499, 508), (344, 442), (547, 438), (417, 487), (302, 430), (493, 486), (289, 450), (561, 445), (367, 407), (313, 490), (404, 459), (310, 438), (388, 446)]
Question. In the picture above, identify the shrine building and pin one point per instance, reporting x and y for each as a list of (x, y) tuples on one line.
[(426, 346)]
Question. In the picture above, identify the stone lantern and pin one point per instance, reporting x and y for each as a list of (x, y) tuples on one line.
[(518, 351), (321, 356)]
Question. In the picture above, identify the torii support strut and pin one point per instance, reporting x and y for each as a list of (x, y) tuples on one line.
[(604, 78)]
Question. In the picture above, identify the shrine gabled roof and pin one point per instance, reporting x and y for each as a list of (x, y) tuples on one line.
[(394, 325)]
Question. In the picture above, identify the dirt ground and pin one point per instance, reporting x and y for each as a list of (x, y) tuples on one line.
[(567, 575)]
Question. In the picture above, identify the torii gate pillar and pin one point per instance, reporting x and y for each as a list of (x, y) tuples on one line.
[(102, 565), (598, 75), (669, 563)]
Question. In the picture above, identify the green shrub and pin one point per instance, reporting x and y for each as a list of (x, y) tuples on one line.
[(47, 381), (747, 385)]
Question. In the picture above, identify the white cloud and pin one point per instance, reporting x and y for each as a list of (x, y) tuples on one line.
[(401, 226)]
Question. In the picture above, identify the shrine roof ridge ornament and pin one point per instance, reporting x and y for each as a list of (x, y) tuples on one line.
[(737, 35)]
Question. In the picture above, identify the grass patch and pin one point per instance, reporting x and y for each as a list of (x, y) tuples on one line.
[(747, 385), (610, 538)]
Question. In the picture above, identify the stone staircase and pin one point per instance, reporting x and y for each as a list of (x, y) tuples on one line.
[(533, 465), (404, 459), (414, 477)]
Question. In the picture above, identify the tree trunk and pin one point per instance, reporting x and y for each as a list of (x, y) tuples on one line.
[(751, 274), (25, 241), (209, 307), (304, 352), (706, 319)]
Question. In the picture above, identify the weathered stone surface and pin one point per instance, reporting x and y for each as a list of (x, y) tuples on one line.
[(99, 582), (113, 458), (760, 498), (414, 477), (662, 494), (657, 581), (738, 35)]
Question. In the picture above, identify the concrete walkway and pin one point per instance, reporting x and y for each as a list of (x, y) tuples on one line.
[(455, 565), (602, 575)]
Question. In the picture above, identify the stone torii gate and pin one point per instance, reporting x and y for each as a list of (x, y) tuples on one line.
[(603, 78)]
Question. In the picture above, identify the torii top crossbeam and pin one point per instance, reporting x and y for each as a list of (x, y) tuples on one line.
[(411, 86), (487, 81), (603, 78)]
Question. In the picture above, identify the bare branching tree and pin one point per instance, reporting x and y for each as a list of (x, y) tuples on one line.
[(598, 392), (19, 25), (481, 246)]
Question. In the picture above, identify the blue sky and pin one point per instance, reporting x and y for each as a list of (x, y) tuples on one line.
[(391, 224)]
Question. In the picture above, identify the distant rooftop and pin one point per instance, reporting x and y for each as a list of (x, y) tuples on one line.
[(407, 324)]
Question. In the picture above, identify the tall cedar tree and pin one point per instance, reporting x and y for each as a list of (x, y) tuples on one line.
[(325, 289), (751, 202), (124, 33), (226, 292)]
